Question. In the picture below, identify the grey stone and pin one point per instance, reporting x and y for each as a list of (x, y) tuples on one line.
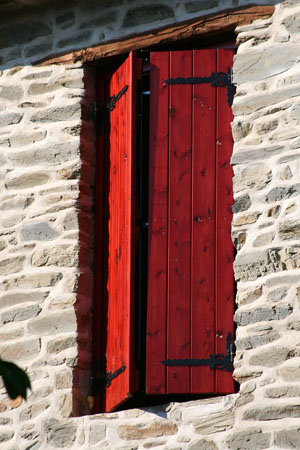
[(22, 350), (65, 18), (249, 439), (241, 203), (277, 294), (37, 74), (63, 379), (28, 281), (246, 219), (57, 114), (202, 444), (289, 373), (75, 39), (49, 156), (153, 443), (249, 295), (58, 345), (214, 423), (6, 436), (97, 433), (201, 5), (283, 391), (250, 266), (264, 239), (291, 23), (27, 180), (100, 21), (271, 357), (272, 412), (60, 434), (11, 93), (290, 229), (260, 314), (147, 14), (37, 49), (35, 410), (265, 63), (285, 279), (61, 255), (245, 156), (288, 438), (10, 335), (282, 192), (288, 158), (11, 265), (12, 202), (70, 221), (38, 231), (254, 103), (21, 139), (54, 324), (24, 32), (255, 176), (10, 119), (250, 342), (19, 314), (43, 88)]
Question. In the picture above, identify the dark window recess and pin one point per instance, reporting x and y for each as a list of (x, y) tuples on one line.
[(164, 290)]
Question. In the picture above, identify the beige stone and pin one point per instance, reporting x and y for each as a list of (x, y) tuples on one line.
[(147, 430), (214, 423)]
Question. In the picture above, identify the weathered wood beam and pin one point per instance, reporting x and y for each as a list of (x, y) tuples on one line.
[(205, 27)]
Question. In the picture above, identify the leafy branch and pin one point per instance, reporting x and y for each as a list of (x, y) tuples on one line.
[(16, 381)]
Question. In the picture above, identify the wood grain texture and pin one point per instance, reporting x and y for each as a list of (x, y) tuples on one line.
[(205, 27), (158, 225)]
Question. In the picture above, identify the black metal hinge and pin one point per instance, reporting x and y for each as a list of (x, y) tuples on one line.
[(104, 377), (218, 361), (217, 79), (100, 108)]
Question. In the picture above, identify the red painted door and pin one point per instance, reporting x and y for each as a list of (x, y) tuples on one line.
[(190, 277), (121, 234)]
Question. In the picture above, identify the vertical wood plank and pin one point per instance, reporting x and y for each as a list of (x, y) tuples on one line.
[(179, 246), (224, 246), (120, 315), (158, 226), (203, 223)]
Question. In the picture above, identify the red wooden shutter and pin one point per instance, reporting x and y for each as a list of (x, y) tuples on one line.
[(190, 277), (121, 229)]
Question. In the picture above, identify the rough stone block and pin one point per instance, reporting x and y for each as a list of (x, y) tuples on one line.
[(246, 219), (289, 438), (202, 444), (200, 5), (54, 324), (11, 265), (10, 119), (289, 373), (260, 314), (290, 229), (60, 255), (271, 357), (28, 281), (273, 412), (22, 32), (58, 345), (11, 93), (63, 379), (97, 433), (214, 423), (147, 14), (264, 239), (27, 180), (38, 231), (251, 265), (47, 156), (250, 342), (16, 315), (249, 295), (147, 430), (249, 439), (283, 391), (241, 203), (282, 193), (57, 114), (60, 434), (35, 410), (22, 350), (255, 176), (6, 436)]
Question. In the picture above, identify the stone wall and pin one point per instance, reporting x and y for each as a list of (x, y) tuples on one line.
[(46, 195)]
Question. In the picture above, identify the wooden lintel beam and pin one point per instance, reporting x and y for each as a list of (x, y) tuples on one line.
[(209, 25)]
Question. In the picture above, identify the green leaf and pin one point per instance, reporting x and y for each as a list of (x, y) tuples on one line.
[(16, 381)]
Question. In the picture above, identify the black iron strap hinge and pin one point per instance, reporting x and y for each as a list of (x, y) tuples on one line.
[(106, 377), (218, 361), (100, 108), (217, 79)]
